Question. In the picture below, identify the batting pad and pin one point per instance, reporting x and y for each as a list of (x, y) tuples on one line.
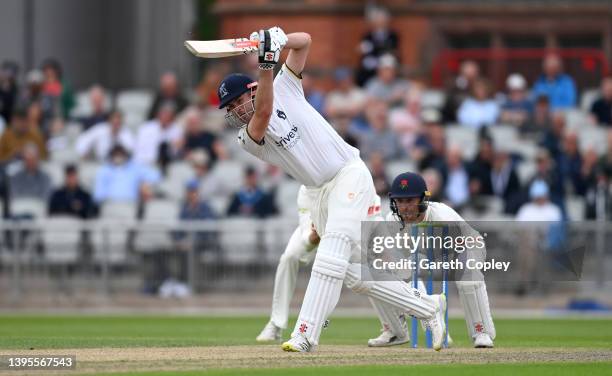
[(475, 301), (325, 285), (396, 293)]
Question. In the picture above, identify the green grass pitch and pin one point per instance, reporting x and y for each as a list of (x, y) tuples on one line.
[(23, 333)]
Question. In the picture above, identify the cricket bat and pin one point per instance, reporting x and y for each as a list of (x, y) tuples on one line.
[(221, 48)]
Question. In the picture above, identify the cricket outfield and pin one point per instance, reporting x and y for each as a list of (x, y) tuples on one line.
[(194, 345)]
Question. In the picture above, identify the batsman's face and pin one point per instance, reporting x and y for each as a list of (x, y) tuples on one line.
[(408, 208), (241, 110)]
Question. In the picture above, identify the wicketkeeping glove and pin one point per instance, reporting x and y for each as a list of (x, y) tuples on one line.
[(269, 49)]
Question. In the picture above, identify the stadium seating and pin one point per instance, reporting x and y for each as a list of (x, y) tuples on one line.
[(61, 240), (160, 216), (111, 241), (135, 105), (29, 207)]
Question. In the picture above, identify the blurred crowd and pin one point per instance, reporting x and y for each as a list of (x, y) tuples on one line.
[(177, 148)]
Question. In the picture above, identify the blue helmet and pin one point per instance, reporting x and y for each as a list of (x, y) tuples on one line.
[(234, 86), (408, 185)]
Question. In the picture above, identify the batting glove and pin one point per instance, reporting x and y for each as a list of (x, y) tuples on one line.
[(269, 50), (278, 35)]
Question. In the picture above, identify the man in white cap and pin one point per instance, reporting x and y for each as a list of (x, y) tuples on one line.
[(517, 108)]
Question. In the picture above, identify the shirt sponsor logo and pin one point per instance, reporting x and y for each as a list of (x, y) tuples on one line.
[(281, 114), (289, 140)]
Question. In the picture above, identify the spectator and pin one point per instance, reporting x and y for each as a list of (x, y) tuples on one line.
[(99, 139), (158, 140), (377, 168), (517, 109), (479, 109), (430, 149), (553, 136), (251, 200), (346, 101), (386, 85), (556, 85), (505, 183), (570, 163), (459, 90), (121, 179), (210, 184), (99, 114), (31, 181), (196, 209), (598, 197), (8, 89), (207, 88), (33, 93), (605, 162), (540, 208), (547, 171), (406, 121), (601, 110), (20, 133), (58, 137), (379, 138), (380, 40), (433, 181), (480, 168), (540, 121), (196, 138), (456, 187), (169, 92), (313, 96), (71, 199), (57, 87)]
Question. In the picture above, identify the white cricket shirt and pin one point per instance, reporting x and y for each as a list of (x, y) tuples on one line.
[(298, 138)]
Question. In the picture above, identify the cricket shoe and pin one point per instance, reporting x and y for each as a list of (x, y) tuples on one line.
[(299, 343), (386, 339), (436, 324), (270, 333), (483, 341)]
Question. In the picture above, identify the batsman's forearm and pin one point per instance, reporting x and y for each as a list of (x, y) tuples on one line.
[(296, 41), (265, 96)]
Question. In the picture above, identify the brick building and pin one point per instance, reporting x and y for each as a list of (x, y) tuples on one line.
[(437, 34)]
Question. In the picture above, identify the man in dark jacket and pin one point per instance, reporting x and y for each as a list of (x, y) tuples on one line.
[(71, 199)]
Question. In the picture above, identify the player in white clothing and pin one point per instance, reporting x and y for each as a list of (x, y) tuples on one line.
[(410, 205), (278, 126)]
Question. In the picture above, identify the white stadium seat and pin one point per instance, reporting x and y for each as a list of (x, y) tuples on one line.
[(87, 174), (55, 172), (239, 239), (31, 206), (135, 105), (395, 168), (157, 213), (464, 137), (433, 98), (61, 239)]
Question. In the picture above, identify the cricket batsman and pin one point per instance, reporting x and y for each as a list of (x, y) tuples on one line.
[(410, 205), (300, 250), (278, 126)]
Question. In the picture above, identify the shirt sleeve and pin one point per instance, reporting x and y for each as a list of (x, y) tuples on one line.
[(247, 143), (288, 83)]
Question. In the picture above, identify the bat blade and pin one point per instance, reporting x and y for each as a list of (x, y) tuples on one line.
[(221, 48)]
